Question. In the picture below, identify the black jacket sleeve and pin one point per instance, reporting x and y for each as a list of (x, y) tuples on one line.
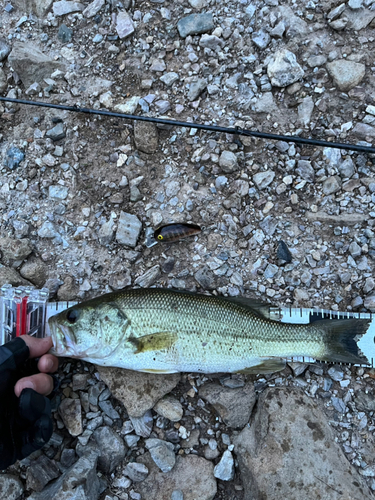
[(25, 422)]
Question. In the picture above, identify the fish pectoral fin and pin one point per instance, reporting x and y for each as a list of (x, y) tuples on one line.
[(256, 306), (153, 342), (270, 365)]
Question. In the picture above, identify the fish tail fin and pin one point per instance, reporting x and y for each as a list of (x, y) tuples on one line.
[(341, 337)]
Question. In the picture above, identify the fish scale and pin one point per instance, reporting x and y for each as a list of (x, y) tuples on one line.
[(166, 331)]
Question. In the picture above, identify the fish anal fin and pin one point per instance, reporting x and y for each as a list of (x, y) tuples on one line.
[(152, 370), (270, 365), (153, 342)]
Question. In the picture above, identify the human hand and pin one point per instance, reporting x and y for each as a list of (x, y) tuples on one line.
[(48, 363), (25, 412)]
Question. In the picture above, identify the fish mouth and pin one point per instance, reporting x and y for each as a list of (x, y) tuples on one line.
[(63, 339)]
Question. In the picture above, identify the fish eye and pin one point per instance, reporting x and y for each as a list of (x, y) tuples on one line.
[(72, 316), (160, 237)]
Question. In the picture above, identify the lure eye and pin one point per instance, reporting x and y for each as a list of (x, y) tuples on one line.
[(160, 237), (72, 316)]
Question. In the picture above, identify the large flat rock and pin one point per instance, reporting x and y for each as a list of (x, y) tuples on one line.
[(192, 475), (289, 451), (138, 391)]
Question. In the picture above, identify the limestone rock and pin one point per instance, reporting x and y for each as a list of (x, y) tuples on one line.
[(228, 162), (305, 110), (138, 391), (10, 276), (359, 19), (370, 302), (136, 472), (362, 130), (112, 448), (143, 425), (283, 69), (265, 103), (31, 64), (124, 24), (93, 8), (346, 74), (195, 24), (11, 487), (331, 185), (79, 480), (64, 7), (70, 412), (38, 7), (263, 179), (35, 271), (128, 229), (149, 277), (305, 170), (13, 251), (196, 88), (233, 405), (40, 473), (162, 453), (146, 137), (224, 470), (3, 81), (69, 290), (169, 408), (4, 49), (192, 475), (288, 446)]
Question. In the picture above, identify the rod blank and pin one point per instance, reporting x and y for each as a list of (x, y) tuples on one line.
[(200, 126)]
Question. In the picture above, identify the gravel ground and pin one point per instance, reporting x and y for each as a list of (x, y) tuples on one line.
[(79, 196)]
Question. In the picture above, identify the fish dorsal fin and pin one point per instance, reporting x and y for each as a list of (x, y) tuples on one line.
[(254, 305), (270, 365), (153, 342)]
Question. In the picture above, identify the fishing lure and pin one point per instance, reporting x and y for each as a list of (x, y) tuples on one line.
[(175, 232)]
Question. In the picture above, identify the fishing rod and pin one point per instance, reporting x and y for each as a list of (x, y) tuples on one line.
[(199, 126)]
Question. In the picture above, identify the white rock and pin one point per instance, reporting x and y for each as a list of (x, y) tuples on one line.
[(106, 99), (355, 4), (263, 179), (93, 8), (224, 470), (346, 74), (124, 24), (162, 453), (228, 162), (336, 12), (305, 110), (169, 408), (283, 69), (128, 107), (198, 4), (169, 78), (66, 7), (128, 229)]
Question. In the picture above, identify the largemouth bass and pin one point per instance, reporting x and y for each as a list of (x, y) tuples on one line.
[(165, 331)]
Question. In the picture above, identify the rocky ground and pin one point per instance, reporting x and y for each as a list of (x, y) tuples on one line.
[(80, 195)]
